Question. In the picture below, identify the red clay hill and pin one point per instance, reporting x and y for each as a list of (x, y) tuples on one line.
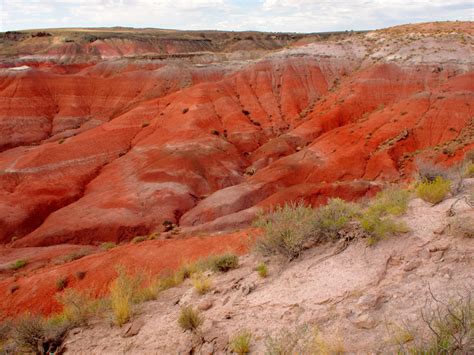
[(109, 134)]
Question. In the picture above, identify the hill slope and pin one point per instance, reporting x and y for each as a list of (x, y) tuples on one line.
[(103, 145)]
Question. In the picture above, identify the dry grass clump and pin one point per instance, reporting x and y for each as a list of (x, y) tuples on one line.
[(127, 290), (201, 282), (189, 319), (78, 307), (462, 226), (35, 334), (240, 343), (224, 263), (433, 191)]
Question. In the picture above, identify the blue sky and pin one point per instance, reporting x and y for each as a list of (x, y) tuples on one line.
[(262, 15)]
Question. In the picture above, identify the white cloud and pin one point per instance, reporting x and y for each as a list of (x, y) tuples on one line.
[(265, 15)]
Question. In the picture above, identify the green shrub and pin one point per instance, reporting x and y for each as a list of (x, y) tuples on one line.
[(224, 263), (433, 191), (376, 220), (262, 270), (379, 227), (331, 218), (392, 201), (189, 319), (285, 230), (18, 264), (240, 343)]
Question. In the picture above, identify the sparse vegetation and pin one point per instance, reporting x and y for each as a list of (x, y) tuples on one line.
[(72, 256), (304, 340), (77, 307), (289, 229), (433, 191), (80, 275), (331, 218), (288, 342), (35, 334), (262, 270), (450, 326), (128, 290), (224, 263), (462, 226), (107, 245), (18, 264), (122, 292), (189, 319), (376, 220), (240, 343), (201, 282), (61, 283), (469, 171), (428, 171), (285, 230), (139, 239)]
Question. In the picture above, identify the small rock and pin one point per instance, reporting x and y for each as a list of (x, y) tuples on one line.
[(412, 265), (437, 255), (364, 321), (133, 328), (205, 304), (207, 349), (75, 331), (439, 247), (367, 302), (246, 289)]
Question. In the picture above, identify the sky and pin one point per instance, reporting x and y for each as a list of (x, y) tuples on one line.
[(238, 15)]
